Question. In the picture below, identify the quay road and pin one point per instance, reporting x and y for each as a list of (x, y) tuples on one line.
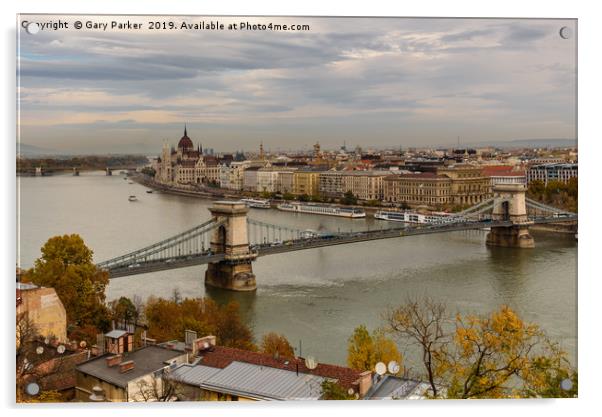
[(317, 241)]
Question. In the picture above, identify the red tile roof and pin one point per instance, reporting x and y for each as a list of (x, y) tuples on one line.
[(221, 356), (502, 171), (426, 175)]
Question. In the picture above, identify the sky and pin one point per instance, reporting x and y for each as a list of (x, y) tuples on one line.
[(372, 82)]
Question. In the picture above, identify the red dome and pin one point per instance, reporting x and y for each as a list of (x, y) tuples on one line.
[(185, 142)]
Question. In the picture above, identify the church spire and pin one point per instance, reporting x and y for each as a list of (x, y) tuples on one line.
[(185, 134)]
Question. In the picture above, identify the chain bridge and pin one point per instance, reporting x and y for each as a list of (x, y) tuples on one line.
[(231, 241)]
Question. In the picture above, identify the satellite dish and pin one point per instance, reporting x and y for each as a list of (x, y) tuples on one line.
[(393, 367), (40, 350), (61, 349), (380, 368), (82, 344), (350, 391), (311, 363), (46, 341), (32, 388)]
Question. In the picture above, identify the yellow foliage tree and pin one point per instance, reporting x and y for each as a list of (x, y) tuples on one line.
[(276, 344), (493, 356), (501, 356), (365, 350)]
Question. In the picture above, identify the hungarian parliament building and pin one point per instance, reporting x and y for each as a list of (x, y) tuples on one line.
[(186, 165)]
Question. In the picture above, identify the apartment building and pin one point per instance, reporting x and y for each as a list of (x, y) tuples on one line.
[(552, 172), (365, 185)]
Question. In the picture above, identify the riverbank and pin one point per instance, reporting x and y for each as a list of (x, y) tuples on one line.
[(218, 193)]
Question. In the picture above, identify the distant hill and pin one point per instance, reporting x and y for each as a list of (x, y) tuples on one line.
[(31, 151), (525, 143)]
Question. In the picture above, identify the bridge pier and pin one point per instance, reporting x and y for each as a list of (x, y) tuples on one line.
[(235, 272), (509, 205)]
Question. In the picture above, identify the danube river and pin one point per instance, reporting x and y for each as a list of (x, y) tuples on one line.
[(315, 296)]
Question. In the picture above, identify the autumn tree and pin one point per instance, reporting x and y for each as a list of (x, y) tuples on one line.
[(549, 375), (276, 344), (563, 195), (331, 390), (490, 351), (124, 311), (168, 319), (484, 356), (365, 350), (422, 324), (66, 265)]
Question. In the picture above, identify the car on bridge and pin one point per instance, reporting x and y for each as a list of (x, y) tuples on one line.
[(134, 266)]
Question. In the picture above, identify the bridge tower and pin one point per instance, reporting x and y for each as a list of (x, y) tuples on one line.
[(509, 205), (235, 272)]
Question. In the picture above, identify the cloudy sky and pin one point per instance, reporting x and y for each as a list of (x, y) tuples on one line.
[(367, 81)]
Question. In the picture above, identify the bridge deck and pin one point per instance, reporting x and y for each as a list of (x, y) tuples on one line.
[(320, 241)]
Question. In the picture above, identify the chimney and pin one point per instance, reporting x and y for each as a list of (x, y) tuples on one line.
[(203, 343), (113, 360), (126, 366), (94, 350), (365, 382)]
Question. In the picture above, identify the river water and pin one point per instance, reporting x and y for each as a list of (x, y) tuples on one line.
[(315, 296)]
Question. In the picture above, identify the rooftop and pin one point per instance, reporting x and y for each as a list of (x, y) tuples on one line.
[(395, 388), (420, 175), (221, 357), (252, 381), (146, 360)]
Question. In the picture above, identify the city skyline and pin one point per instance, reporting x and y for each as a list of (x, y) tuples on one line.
[(381, 82)]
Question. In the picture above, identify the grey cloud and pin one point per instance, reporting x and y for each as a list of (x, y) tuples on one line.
[(387, 70)]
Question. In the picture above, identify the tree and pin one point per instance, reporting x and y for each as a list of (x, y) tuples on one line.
[(364, 350), (333, 391), (422, 324), (489, 352), (66, 265), (489, 356), (148, 171), (124, 311), (288, 196), (276, 344), (304, 198), (549, 375), (168, 319), (349, 198), (555, 193), (159, 388)]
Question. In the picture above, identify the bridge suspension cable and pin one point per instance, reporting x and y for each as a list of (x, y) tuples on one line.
[(544, 207), (192, 241), (262, 232)]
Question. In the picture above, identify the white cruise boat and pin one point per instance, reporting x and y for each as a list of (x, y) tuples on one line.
[(310, 208), (412, 217), (256, 203)]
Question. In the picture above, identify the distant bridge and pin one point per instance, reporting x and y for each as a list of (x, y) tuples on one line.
[(230, 241)]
